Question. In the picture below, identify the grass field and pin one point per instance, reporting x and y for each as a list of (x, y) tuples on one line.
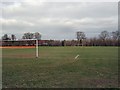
[(56, 67)]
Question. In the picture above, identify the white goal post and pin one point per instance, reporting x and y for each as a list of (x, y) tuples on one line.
[(37, 53), (36, 44)]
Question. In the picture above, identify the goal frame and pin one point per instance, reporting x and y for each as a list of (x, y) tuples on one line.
[(36, 44)]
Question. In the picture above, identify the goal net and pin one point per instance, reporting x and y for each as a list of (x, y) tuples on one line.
[(20, 48)]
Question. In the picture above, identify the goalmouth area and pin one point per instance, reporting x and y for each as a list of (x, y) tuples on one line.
[(60, 67)]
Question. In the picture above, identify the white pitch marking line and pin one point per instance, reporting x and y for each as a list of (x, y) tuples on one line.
[(76, 56)]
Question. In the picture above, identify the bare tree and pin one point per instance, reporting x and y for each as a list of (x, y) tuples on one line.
[(13, 37), (80, 37), (104, 35), (5, 37), (116, 35), (28, 36), (37, 36)]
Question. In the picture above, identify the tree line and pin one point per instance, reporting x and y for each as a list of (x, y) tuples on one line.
[(28, 35), (105, 38)]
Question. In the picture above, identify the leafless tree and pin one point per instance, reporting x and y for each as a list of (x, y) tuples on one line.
[(13, 37), (116, 35), (80, 37), (28, 36), (104, 35), (5, 37), (37, 35)]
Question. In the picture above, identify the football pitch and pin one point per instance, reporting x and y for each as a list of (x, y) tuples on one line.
[(56, 67)]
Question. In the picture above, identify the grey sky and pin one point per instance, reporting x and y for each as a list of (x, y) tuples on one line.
[(58, 20)]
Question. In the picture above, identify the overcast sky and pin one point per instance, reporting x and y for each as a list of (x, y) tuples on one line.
[(58, 20)]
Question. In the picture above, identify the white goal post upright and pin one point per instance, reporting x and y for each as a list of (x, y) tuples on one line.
[(37, 48)]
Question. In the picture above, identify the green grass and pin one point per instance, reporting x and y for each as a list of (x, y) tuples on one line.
[(56, 67)]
